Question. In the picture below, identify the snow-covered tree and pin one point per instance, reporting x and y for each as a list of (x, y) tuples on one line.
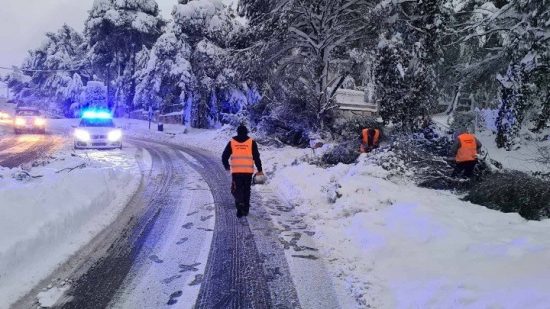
[(208, 27), (72, 95), (188, 69), (405, 74), (95, 95), (304, 44), (117, 30), (167, 75), (50, 67), (504, 39)]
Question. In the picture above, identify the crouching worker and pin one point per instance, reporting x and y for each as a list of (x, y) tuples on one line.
[(465, 149), (370, 139), (239, 156)]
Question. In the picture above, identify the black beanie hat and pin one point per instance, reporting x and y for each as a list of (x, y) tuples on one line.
[(242, 130)]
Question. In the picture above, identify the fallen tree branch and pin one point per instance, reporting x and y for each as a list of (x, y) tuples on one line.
[(70, 169)]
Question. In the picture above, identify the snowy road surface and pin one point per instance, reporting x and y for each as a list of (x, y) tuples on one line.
[(178, 243), (19, 149)]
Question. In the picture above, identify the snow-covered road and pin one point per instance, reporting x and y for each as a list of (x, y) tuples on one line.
[(178, 243), (21, 149)]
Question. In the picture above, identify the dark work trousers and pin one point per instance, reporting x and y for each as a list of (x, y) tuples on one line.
[(467, 167), (241, 191)]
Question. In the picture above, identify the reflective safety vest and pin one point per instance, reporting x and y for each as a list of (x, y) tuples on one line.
[(242, 161), (366, 137), (468, 148)]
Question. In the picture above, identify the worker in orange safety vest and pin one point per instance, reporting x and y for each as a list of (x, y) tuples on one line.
[(370, 139), (239, 157), (465, 149)]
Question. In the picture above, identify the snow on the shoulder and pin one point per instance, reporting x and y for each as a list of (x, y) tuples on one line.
[(44, 220), (392, 244)]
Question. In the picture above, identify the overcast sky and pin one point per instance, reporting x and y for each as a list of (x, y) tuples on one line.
[(23, 23)]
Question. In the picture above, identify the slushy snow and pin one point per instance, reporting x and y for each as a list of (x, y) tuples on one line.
[(44, 220)]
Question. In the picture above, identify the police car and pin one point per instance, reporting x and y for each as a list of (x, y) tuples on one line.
[(97, 131)]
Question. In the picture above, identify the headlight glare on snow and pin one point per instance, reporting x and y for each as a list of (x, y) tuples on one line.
[(82, 135), (114, 136)]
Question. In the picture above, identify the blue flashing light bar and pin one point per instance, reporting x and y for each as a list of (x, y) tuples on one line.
[(97, 115)]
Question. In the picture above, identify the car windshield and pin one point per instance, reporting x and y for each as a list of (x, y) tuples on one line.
[(90, 122), (28, 113)]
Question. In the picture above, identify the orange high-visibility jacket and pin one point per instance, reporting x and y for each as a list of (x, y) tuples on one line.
[(467, 150), (242, 161), (376, 137)]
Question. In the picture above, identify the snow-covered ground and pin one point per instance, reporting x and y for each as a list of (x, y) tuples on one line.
[(49, 210), (390, 244), (386, 242)]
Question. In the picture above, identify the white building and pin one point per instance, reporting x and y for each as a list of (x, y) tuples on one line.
[(355, 102)]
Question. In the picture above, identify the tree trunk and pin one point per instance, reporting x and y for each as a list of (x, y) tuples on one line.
[(452, 107)]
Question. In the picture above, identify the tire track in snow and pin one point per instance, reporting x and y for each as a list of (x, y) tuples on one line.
[(27, 148), (236, 274)]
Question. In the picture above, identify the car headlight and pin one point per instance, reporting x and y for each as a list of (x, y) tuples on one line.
[(82, 135), (115, 135), (39, 122), (20, 121)]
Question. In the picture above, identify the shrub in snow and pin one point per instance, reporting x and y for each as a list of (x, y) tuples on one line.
[(346, 153), (513, 192), (350, 129)]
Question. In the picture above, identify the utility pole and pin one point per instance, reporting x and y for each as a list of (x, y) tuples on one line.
[(150, 115)]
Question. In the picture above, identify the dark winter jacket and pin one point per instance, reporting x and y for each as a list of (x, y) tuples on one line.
[(241, 139)]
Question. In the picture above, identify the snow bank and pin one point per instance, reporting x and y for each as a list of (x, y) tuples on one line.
[(44, 220), (394, 245)]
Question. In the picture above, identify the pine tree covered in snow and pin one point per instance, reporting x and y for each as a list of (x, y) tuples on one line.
[(117, 30), (165, 77), (188, 68), (525, 87), (405, 70), (51, 66), (72, 96), (208, 27)]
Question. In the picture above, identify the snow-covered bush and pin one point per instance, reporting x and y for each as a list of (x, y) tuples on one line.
[(346, 152), (513, 192), (350, 129)]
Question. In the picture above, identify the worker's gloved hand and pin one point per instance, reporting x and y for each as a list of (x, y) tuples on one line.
[(260, 173)]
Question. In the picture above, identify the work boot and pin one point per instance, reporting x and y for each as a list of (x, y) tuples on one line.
[(241, 210)]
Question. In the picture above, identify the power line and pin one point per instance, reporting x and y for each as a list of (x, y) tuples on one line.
[(36, 70)]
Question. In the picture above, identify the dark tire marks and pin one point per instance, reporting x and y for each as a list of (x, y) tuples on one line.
[(98, 285), (236, 275)]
